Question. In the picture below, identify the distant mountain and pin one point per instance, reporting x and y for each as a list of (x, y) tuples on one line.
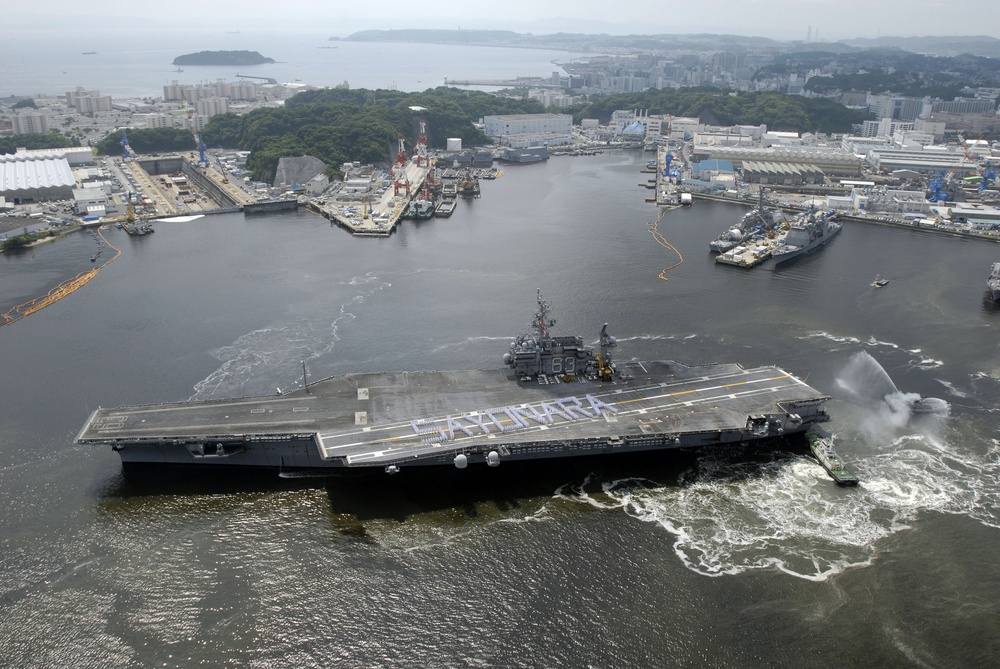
[(977, 45), (437, 36), (568, 41), (222, 58)]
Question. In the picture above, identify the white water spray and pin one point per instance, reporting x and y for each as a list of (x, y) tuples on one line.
[(868, 384)]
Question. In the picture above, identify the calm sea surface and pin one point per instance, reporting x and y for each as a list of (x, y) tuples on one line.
[(729, 558), (137, 62)]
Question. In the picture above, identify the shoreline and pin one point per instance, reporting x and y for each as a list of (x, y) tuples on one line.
[(936, 230)]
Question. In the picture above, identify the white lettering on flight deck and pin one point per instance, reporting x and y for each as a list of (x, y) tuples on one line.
[(510, 418)]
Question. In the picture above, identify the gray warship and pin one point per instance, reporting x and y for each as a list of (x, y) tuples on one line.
[(758, 220), (807, 232), (993, 282), (553, 397)]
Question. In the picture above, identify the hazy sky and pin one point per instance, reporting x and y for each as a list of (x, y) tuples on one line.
[(780, 19)]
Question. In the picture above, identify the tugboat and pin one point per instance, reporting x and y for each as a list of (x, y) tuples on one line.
[(822, 449), (421, 209)]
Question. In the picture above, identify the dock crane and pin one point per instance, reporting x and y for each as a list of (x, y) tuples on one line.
[(202, 160), (127, 151), (989, 176), (399, 168), (420, 150)]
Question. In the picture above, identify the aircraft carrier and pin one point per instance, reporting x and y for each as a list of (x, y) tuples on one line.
[(553, 398)]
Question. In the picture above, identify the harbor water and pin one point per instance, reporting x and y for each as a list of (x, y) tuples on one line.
[(123, 61), (731, 557)]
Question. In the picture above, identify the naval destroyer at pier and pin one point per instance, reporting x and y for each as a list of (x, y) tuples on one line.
[(554, 397)]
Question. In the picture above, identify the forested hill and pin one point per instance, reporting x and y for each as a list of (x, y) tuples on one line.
[(222, 58), (777, 110), (339, 126)]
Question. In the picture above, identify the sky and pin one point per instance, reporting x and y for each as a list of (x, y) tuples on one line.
[(778, 19)]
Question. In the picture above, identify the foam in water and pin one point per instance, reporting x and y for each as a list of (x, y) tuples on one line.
[(728, 516), (251, 364)]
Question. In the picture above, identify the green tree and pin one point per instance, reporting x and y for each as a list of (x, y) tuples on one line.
[(338, 125), (50, 140), (148, 140)]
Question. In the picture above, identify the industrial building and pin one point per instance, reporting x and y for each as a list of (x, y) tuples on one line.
[(761, 172), (76, 156), (927, 161), (523, 130), (299, 170), (90, 201), (35, 176), (831, 162)]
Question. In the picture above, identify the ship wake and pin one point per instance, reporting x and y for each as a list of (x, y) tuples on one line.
[(737, 510), (269, 360)]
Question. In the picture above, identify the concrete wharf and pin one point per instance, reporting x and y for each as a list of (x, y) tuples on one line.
[(374, 217)]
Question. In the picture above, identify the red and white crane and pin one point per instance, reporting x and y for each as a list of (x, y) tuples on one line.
[(399, 168), (420, 150)]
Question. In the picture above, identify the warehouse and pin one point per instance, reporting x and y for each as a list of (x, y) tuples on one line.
[(833, 162), (760, 172), (35, 177)]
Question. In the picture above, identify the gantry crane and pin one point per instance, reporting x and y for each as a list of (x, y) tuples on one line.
[(420, 150), (399, 168), (202, 160), (127, 151)]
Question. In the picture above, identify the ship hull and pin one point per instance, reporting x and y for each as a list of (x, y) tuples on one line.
[(473, 418), (787, 257)]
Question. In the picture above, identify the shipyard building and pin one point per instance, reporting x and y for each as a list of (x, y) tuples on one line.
[(523, 130), (35, 176), (778, 164)]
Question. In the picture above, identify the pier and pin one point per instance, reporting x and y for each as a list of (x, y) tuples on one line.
[(374, 216), (517, 82)]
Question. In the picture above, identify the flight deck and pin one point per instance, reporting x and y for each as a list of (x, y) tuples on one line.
[(392, 419)]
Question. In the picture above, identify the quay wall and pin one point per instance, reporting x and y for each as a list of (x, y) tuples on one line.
[(275, 205), (209, 186), (936, 230)]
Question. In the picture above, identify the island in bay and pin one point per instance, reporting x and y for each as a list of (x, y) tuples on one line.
[(222, 58)]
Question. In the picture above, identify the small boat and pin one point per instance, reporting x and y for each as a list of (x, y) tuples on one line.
[(822, 449), (879, 282)]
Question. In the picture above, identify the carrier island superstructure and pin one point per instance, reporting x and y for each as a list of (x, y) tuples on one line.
[(554, 397)]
